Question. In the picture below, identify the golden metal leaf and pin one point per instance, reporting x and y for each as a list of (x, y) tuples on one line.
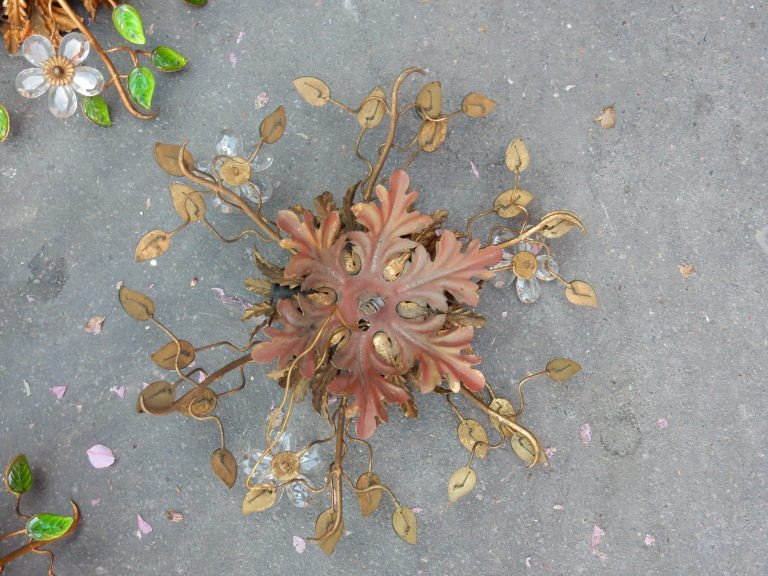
[(156, 397), (153, 244), (560, 223), (373, 109), (471, 432), (368, 501), (260, 286), (136, 305), (224, 466), (560, 369), (476, 105), (327, 536), (409, 408), (429, 100), (273, 126), (412, 310), (324, 204), (462, 482), (432, 135), (503, 407), (517, 156), (167, 157), (465, 317), (395, 267), (199, 402), (262, 309), (405, 524), (507, 204), (165, 357), (386, 348), (313, 90), (189, 203), (580, 293), (259, 498), (524, 450)]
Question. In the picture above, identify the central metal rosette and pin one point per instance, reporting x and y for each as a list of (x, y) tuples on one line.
[(286, 466), (381, 302)]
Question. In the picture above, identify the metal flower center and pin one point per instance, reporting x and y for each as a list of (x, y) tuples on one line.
[(235, 171), (524, 265), (58, 71), (286, 466)]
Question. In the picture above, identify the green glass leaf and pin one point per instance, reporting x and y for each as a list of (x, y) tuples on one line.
[(141, 85), (18, 475), (197, 3), (127, 21), (96, 110), (5, 123), (167, 59), (44, 527)]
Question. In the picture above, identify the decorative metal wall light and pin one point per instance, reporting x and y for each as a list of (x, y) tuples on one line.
[(374, 303)]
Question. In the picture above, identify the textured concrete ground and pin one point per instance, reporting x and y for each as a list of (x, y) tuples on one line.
[(673, 385)]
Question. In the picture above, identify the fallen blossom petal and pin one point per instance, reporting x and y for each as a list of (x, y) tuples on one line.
[(144, 527), (649, 540), (597, 536), (58, 391), (95, 501), (118, 391), (93, 326), (417, 510), (474, 169), (550, 452), (299, 544), (586, 433), (233, 59), (100, 456), (661, 423), (261, 100), (558, 507)]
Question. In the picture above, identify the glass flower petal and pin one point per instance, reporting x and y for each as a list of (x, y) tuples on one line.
[(75, 47), (528, 291), (62, 101), (230, 143), (87, 81), (257, 191), (261, 163), (31, 83), (502, 278), (298, 494), (203, 166), (310, 460), (547, 265), (37, 49)]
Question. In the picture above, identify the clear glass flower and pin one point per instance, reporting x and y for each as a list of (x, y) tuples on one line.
[(281, 464), (236, 173), (60, 74), (533, 265)]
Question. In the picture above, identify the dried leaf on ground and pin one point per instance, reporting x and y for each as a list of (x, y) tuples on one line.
[(94, 324), (607, 118)]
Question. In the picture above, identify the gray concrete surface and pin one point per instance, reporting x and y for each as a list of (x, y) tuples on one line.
[(679, 180)]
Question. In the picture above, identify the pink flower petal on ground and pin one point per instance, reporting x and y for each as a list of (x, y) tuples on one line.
[(586, 433), (233, 59), (299, 544), (649, 540), (118, 391), (417, 510), (661, 423), (558, 507), (144, 385), (93, 326), (95, 501), (475, 171), (58, 391), (100, 456), (528, 562), (597, 536), (144, 527), (550, 452)]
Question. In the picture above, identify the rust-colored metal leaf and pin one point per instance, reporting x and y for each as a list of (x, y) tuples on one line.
[(373, 109), (470, 433), (405, 524), (432, 135), (327, 536), (580, 293), (429, 100), (273, 126), (167, 157), (561, 369), (369, 501), (503, 407), (462, 482), (156, 397), (476, 105), (153, 244), (259, 498), (507, 204), (313, 90), (517, 156), (168, 356), (224, 466), (189, 203), (136, 305)]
